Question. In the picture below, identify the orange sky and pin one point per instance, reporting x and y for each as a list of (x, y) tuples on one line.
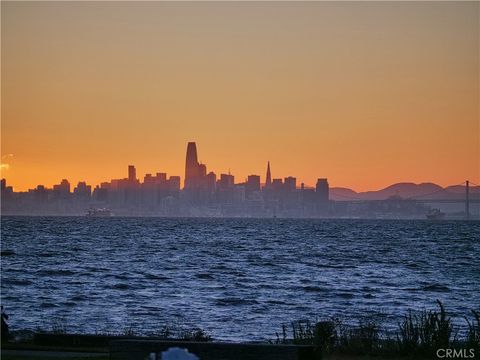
[(365, 94)]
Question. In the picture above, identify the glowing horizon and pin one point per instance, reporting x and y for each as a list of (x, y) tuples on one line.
[(140, 177), (365, 94)]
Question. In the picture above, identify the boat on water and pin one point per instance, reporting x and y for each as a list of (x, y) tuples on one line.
[(103, 212), (435, 214)]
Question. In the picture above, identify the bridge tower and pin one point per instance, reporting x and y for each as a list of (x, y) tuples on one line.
[(467, 199)]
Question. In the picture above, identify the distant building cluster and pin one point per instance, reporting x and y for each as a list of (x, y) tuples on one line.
[(203, 194)]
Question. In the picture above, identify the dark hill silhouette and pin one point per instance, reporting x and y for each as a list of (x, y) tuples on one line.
[(456, 189), (406, 190), (341, 193)]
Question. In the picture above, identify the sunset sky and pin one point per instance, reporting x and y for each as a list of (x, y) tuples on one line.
[(364, 93)]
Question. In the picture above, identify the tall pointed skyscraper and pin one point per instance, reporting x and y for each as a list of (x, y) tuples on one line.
[(191, 166), (268, 180)]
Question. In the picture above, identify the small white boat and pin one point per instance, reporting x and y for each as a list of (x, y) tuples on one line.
[(435, 214), (103, 212)]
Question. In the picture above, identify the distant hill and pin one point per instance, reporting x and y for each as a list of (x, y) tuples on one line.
[(455, 189), (340, 193), (406, 190)]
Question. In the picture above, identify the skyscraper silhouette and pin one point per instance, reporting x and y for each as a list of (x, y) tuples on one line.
[(191, 166), (268, 180), (132, 173), (322, 190)]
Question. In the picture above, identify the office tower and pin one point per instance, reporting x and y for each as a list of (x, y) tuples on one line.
[(226, 181), (290, 183), (268, 180), (83, 190), (277, 186), (160, 177), (61, 190), (253, 183), (100, 193), (224, 188), (40, 194), (191, 166), (132, 173), (238, 193), (162, 184), (129, 194), (322, 189), (211, 181), (4, 184), (174, 183), (202, 170), (148, 179), (63, 187)]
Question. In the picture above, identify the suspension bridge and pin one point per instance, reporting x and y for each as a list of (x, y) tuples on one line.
[(428, 198)]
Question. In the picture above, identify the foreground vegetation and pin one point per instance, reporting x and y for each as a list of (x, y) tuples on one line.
[(418, 335)]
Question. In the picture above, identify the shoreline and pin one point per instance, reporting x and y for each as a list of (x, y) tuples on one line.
[(124, 347), (419, 335)]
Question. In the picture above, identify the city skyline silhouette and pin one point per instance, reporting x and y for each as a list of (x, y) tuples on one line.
[(206, 193), (196, 170)]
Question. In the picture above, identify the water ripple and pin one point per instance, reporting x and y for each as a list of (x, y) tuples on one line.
[(239, 278)]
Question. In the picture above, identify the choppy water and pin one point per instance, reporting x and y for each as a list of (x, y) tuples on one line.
[(240, 279)]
